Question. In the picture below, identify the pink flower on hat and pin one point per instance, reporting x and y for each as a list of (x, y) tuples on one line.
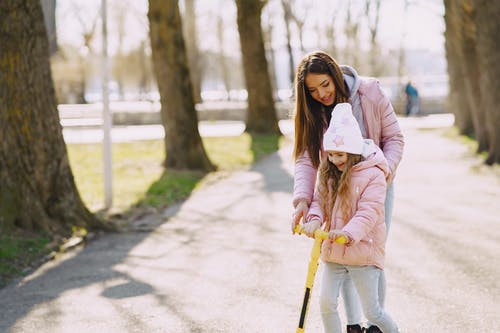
[(338, 140), (346, 121)]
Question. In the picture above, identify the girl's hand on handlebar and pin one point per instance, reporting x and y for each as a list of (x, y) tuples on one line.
[(311, 226), (335, 234)]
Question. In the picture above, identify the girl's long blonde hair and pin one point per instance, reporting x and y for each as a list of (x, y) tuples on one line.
[(310, 116), (334, 184)]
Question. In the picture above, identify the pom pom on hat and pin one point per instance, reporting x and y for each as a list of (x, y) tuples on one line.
[(343, 134)]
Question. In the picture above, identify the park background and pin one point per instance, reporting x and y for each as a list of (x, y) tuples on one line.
[(428, 42)]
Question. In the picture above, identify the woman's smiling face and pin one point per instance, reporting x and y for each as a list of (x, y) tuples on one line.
[(321, 88)]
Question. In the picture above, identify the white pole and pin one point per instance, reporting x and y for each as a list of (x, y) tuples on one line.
[(106, 114)]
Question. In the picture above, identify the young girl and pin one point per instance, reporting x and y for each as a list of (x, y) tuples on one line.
[(349, 201)]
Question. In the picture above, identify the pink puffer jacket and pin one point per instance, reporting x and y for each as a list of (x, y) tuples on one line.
[(366, 225), (381, 126)]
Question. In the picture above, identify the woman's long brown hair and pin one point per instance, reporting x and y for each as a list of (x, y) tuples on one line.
[(334, 184), (311, 117)]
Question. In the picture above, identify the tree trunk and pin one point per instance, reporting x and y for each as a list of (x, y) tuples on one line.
[(470, 68), (487, 18), (145, 70), (268, 41), (49, 13), (373, 16), (184, 148), (351, 30), (330, 35), (119, 67), (288, 21), (453, 45), (261, 116), (402, 50), (37, 189), (222, 56), (192, 49)]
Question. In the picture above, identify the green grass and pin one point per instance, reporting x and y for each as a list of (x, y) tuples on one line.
[(171, 187), (226, 153), (467, 141), (17, 253), (472, 146), (138, 175)]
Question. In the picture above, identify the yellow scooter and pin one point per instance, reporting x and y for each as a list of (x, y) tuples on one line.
[(319, 237)]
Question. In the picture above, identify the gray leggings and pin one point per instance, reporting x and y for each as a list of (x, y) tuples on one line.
[(352, 304), (365, 278)]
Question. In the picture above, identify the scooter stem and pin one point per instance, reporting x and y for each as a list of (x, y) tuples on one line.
[(319, 237)]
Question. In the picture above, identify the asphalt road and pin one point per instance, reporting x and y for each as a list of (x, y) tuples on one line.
[(225, 260)]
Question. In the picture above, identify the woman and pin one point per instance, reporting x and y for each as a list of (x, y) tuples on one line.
[(320, 85)]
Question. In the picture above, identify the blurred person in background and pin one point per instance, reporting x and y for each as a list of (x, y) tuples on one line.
[(412, 100)]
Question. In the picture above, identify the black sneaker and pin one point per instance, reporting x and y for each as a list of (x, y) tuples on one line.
[(373, 329), (354, 329)]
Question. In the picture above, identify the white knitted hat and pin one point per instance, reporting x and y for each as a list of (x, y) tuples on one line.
[(343, 134)]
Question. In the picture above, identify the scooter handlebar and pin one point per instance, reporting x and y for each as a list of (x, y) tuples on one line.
[(320, 234)]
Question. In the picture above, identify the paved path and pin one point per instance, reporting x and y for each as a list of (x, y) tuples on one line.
[(225, 261)]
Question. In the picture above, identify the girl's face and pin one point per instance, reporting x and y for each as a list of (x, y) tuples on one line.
[(321, 88), (339, 158)]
